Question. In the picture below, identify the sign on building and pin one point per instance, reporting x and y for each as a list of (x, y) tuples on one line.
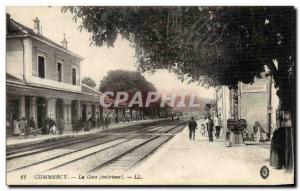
[(254, 88)]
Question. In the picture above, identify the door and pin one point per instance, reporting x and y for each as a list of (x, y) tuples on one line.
[(74, 109), (83, 112), (59, 108), (41, 112)]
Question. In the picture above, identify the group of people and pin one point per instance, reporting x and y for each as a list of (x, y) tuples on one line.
[(91, 121), (25, 127), (22, 127), (213, 125), (54, 127), (207, 128)]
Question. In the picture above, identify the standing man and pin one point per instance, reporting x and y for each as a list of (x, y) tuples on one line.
[(210, 129), (217, 123), (192, 127), (52, 125), (16, 128), (32, 125)]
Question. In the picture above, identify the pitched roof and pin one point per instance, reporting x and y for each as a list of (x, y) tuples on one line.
[(88, 89), (15, 28)]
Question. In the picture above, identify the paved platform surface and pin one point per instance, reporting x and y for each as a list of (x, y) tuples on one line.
[(199, 162), (16, 140)]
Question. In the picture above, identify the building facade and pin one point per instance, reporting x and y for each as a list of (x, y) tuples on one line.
[(43, 78), (254, 101)]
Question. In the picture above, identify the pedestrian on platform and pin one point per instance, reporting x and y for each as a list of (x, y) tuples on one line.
[(89, 122), (256, 130), (217, 123), (74, 124), (192, 127), (52, 125), (32, 125), (9, 127), (210, 128), (23, 127), (16, 129), (203, 130), (80, 124), (206, 122)]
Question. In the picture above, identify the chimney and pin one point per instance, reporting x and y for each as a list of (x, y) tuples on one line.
[(36, 26), (64, 42)]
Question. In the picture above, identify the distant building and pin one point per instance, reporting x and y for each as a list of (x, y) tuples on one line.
[(252, 104), (43, 78)]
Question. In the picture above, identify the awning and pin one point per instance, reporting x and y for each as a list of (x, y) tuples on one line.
[(18, 89)]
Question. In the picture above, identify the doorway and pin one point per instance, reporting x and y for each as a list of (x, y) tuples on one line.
[(59, 108), (41, 112), (74, 109), (83, 112)]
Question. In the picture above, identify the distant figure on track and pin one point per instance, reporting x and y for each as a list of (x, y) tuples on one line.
[(192, 127)]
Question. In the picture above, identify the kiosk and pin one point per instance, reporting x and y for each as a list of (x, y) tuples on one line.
[(236, 128)]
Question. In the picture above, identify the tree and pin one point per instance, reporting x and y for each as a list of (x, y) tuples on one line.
[(123, 80), (126, 81), (89, 81), (204, 44), (209, 45)]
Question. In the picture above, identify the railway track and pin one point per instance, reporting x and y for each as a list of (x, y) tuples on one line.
[(97, 153), (39, 156), (27, 150), (131, 158)]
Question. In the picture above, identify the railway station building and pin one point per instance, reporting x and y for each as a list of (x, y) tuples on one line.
[(43, 78)]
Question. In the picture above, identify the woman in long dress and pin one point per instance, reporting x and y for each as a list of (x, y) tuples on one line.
[(16, 130)]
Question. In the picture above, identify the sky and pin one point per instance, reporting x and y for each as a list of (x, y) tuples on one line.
[(97, 60)]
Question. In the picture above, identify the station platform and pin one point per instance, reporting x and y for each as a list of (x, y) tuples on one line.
[(200, 162), (18, 140)]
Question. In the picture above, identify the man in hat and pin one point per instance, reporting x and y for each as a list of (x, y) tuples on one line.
[(217, 123), (210, 128), (192, 127)]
